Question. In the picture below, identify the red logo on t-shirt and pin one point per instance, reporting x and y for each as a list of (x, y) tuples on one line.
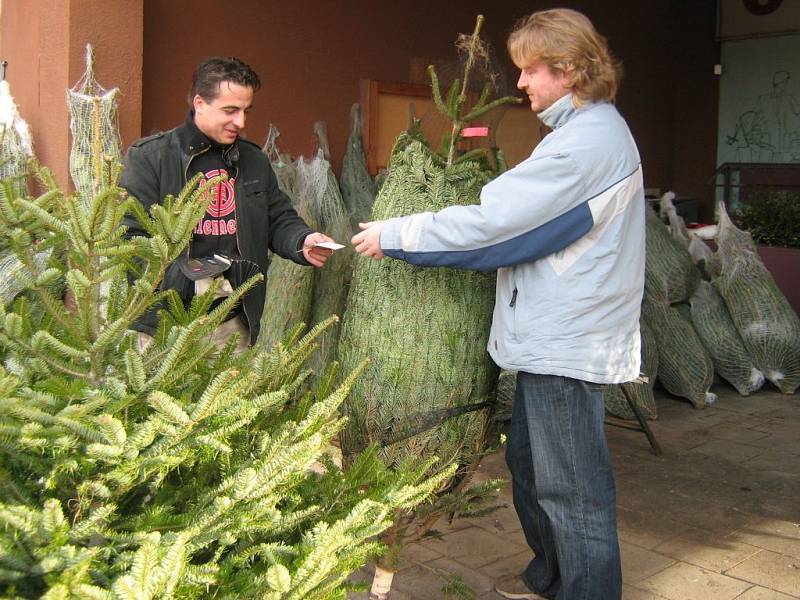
[(223, 203), (223, 196)]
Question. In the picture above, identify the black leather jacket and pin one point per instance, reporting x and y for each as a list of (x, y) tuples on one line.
[(157, 165)]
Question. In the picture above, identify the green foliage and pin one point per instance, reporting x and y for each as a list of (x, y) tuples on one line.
[(175, 471), (771, 217)]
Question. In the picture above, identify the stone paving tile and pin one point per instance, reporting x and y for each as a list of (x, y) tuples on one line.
[(638, 563), (761, 593), (772, 570), (475, 546), (646, 531), (731, 450), (418, 552), (507, 566), (687, 582), (501, 521), (426, 581), (787, 442), (776, 535), (777, 462), (738, 433), (707, 550), (631, 593)]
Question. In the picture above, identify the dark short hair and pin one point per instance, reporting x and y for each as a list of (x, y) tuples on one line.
[(212, 72)]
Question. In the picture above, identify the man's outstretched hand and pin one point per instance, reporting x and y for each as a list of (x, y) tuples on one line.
[(368, 242), (314, 254)]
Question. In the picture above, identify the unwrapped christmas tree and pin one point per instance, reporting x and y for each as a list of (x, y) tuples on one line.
[(178, 471)]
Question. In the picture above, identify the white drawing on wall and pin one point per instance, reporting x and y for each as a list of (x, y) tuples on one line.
[(770, 130)]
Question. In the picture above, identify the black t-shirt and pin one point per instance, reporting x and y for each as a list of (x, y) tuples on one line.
[(215, 233)]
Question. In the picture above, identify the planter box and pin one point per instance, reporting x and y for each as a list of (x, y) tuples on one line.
[(784, 265)]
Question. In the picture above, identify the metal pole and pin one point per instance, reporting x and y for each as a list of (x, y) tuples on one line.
[(3, 65)]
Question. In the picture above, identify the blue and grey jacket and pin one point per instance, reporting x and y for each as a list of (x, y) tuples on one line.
[(565, 230)]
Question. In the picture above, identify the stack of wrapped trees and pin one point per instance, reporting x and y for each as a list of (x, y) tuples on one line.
[(684, 365), (726, 315)]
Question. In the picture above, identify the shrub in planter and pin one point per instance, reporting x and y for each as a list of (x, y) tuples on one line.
[(772, 218)]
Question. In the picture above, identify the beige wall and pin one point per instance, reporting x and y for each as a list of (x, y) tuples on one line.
[(44, 42)]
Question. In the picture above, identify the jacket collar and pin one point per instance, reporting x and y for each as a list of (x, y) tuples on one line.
[(193, 141), (559, 112)]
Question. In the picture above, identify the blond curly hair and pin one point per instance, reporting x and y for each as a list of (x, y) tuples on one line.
[(567, 42)]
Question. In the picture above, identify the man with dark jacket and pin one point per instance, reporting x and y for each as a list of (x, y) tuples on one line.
[(248, 214)]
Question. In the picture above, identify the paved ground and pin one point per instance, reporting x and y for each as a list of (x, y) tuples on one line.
[(716, 517)]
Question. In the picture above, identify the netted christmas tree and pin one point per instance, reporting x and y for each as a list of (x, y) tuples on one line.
[(670, 274), (358, 188), (640, 392), (180, 470), (716, 329), (684, 365), (290, 286), (430, 381), (331, 283), (16, 152), (95, 135), (763, 316)]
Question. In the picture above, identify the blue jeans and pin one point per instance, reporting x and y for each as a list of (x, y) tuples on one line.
[(563, 488)]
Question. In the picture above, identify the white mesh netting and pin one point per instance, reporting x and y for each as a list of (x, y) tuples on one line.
[(95, 133)]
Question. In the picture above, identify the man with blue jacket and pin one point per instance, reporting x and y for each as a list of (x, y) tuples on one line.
[(565, 230)]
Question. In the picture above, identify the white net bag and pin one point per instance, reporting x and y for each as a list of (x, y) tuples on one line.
[(331, 283), (16, 147), (95, 132), (289, 285)]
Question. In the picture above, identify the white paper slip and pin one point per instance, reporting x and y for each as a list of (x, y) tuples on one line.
[(329, 245)]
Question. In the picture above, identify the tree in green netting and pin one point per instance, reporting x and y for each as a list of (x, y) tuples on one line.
[(429, 384), (670, 274), (289, 285), (16, 151), (640, 392), (332, 282), (180, 470), (716, 329), (684, 365), (358, 188), (766, 321), (15, 143)]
